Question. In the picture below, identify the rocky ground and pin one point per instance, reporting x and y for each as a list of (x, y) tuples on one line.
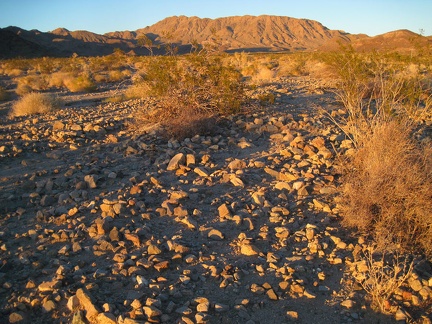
[(101, 222)]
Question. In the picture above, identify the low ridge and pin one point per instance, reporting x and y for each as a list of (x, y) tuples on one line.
[(237, 33)]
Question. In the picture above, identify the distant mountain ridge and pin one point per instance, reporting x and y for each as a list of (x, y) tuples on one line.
[(237, 33)]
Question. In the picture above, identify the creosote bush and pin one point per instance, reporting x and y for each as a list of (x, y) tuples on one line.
[(189, 90), (35, 103)]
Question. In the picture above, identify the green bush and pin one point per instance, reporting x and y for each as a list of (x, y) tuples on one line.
[(192, 85)]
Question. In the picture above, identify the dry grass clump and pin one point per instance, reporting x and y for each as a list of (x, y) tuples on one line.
[(23, 89), (58, 79), (30, 83), (388, 190), (264, 74), (385, 274), (81, 83), (14, 72), (116, 75), (35, 103)]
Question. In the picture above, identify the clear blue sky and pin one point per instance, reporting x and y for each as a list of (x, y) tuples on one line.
[(371, 17)]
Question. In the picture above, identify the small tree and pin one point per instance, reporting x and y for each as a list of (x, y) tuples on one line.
[(170, 48), (146, 42)]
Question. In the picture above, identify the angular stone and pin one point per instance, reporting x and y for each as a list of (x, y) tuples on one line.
[(177, 195), (17, 317), (153, 250), (415, 284), (215, 234), (78, 318), (106, 318), (133, 238), (58, 125), (348, 303), (401, 315), (325, 152), (91, 179), (163, 265), (237, 164), (292, 316), (224, 211), (281, 185), (236, 181), (49, 285), (258, 198), (190, 160), (86, 301), (203, 307), (73, 303), (272, 295), (176, 161), (221, 308), (318, 142), (249, 250), (201, 172), (188, 221), (152, 311)]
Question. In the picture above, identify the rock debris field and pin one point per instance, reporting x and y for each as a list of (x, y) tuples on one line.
[(104, 223)]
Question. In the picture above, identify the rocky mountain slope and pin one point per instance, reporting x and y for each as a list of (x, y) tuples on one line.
[(239, 33), (249, 32)]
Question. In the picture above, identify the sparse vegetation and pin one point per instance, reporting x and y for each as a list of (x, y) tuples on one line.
[(35, 103), (270, 187), (384, 276), (387, 191), (81, 83)]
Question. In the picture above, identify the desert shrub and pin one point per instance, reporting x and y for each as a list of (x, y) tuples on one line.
[(293, 64), (100, 77), (198, 84), (35, 82), (387, 191), (115, 76), (23, 89), (264, 74), (189, 91), (35, 103), (59, 79), (374, 86), (81, 83)]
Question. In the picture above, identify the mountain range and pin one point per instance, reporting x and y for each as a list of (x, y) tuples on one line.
[(238, 33)]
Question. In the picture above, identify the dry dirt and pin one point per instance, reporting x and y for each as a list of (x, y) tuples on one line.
[(99, 224)]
